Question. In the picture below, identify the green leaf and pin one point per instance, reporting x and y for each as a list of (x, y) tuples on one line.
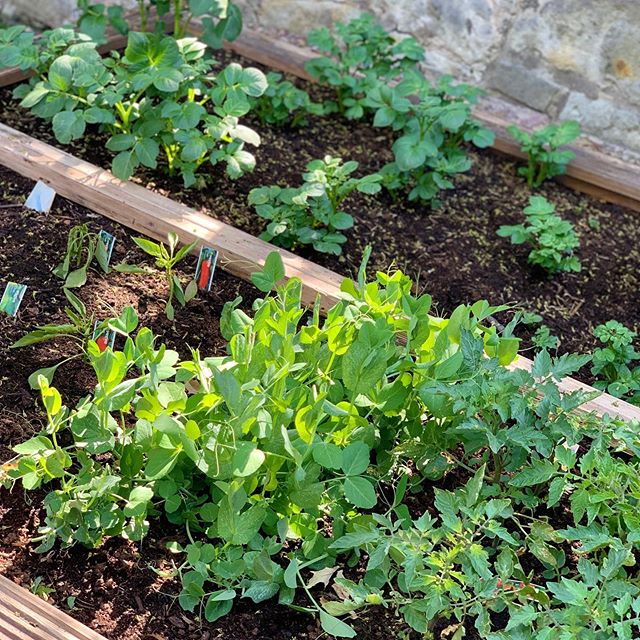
[(138, 500), (68, 126), (272, 273), (247, 459), (124, 165), (335, 627), (355, 459), (216, 608), (540, 471), (328, 455), (159, 463), (360, 492)]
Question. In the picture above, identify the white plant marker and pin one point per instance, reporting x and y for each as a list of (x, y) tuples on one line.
[(41, 198)]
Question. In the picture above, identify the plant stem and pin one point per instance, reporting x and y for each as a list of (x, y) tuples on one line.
[(142, 9), (177, 16)]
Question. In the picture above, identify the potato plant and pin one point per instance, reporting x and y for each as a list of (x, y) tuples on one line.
[(311, 214), (159, 102), (358, 56), (433, 124), (552, 239), (220, 19), (545, 158)]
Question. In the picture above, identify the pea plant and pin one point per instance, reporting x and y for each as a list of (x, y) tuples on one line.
[(220, 19), (545, 158), (433, 124), (360, 55), (552, 239), (159, 103), (284, 104), (613, 361), (312, 213), (167, 258)]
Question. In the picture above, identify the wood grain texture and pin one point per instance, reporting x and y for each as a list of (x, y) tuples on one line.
[(154, 215), (24, 616)]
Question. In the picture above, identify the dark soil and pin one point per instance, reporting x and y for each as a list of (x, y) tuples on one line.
[(452, 252), (116, 590)]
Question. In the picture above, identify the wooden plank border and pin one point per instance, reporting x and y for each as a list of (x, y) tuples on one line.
[(24, 616), (154, 215)]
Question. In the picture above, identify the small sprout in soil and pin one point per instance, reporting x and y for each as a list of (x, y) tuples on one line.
[(545, 158), (83, 247), (38, 588), (552, 239), (167, 259)]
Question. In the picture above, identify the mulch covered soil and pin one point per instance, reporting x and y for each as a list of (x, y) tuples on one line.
[(116, 591), (452, 252)]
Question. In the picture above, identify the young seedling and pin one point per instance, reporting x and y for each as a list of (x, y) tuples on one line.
[(80, 329), (82, 248), (220, 19), (284, 104), (357, 57), (612, 363), (552, 239), (167, 258), (545, 158), (312, 214)]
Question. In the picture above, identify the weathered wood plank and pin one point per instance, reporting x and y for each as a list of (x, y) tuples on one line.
[(24, 616), (153, 214)]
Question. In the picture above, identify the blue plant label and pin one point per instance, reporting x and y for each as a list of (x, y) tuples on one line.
[(107, 241), (206, 268), (41, 198), (12, 298), (103, 337)]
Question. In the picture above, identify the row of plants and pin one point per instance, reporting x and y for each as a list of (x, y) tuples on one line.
[(318, 451), (163, 108)]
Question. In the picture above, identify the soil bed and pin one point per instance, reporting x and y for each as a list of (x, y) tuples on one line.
[(452, 252), (116, 592)]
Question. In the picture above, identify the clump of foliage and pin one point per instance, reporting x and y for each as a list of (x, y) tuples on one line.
[(612, 362), (80, 329), (553, 240), (311, 214), (83, 247), (283, 103), (220, 19), (433, 123), (159, 99), (167, 258), (542, 338), (545, 158), (359, 56), (295, 454)]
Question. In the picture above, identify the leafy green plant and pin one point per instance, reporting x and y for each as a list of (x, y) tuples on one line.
[(312, 214), (248, 451), (40, 589), (553, 240), (283, 103), (80, 329), (612, 362), (545, 158), (220, 19), (359, 56), (82, 248), (167, 258), (433, 123), (157, 100), (543, 339)]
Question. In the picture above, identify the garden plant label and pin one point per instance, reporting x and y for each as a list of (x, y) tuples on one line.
[(206, 267), (103, 337), (41, 198), (12, 298), (107, 241)]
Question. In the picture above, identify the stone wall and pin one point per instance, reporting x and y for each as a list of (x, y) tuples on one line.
[(564, 58)]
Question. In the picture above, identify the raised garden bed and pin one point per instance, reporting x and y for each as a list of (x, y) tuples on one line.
[(436, 252)]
